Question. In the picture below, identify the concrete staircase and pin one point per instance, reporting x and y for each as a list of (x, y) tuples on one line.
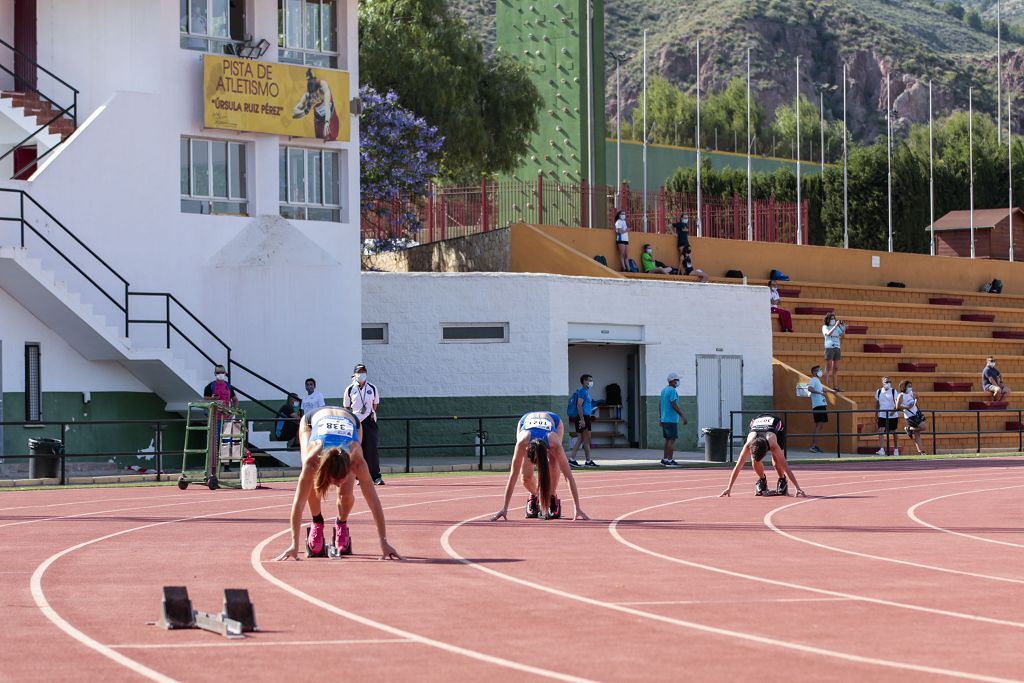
[(28, 111)]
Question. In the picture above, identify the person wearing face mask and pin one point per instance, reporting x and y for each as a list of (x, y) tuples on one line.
[(832, 331), (220, 389), (907, 402), (671, 414), (622, 240), (649, 265), (819, 405), (992, 381), (580, 409), (362, 398), (287, 428), (785, 319), (888, 417)]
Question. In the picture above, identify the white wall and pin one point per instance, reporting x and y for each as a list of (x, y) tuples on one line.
[(6, 34), (680, 320), (61, 367), (115, 184)]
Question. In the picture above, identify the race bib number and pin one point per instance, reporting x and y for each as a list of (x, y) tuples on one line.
[(334, 425), (762, 424), (538, 423)]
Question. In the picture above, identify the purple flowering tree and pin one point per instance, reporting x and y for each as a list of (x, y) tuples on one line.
[(398, 155)]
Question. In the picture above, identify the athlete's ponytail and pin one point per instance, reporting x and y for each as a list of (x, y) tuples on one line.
[(332, 468), (537, 452)]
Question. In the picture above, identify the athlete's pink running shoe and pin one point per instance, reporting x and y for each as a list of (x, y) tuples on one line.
[(315, 541), (342, 539)]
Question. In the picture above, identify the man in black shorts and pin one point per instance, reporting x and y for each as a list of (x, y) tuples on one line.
[(767, 433), (581, 405)]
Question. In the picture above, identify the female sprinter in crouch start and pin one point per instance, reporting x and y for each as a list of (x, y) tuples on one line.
[(331, 455), (539, 438)]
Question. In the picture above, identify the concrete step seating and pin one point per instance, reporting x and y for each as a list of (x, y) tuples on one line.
[(948, 364), (838, 294), (42, 111), (908, 345), (892, 326), (859, 310)]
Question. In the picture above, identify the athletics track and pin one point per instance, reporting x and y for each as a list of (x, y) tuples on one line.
[(893, 571)]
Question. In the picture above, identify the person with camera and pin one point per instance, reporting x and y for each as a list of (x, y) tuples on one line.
[(832, 331), (907, 402)]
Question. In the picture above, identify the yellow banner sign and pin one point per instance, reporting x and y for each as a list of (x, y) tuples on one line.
[(283, 99)]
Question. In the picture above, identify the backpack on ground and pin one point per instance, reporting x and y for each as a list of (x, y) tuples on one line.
[(896, 284), (778, 275), (602, 260), (997, 287), (734, 273), (613, 395), (633, 268), (572, 410)]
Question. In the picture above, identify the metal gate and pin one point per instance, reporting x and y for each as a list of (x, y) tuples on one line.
[(719, 391)]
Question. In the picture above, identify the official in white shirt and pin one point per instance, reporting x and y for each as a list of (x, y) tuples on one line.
[(313, 399), (362, 398)]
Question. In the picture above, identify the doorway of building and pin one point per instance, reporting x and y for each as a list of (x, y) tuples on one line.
[(616, 419), (719, 391), (25, 43)]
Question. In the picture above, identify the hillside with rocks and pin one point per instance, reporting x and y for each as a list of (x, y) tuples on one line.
[(913, 40)]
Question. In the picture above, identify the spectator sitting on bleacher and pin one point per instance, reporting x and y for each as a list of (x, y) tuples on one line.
[(688, 266), (649, 265), (785, 319), (992, 381)]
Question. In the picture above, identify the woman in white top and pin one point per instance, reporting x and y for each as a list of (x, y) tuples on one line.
[(832, 330), (622, 240), (907, 402)]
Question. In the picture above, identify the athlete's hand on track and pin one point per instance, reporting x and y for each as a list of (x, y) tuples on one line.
[(291, 554), (800, 493), (388, 552), (725, 494), (501, 514), (580, 514)]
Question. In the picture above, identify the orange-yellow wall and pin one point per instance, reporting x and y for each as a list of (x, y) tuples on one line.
[(756, 259), (785, 379)]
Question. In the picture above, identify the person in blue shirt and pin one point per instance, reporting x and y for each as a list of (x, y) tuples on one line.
[(671, 413), (539, 439), (581, 407)]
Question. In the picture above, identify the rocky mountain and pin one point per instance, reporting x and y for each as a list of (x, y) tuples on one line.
[(912, 41)]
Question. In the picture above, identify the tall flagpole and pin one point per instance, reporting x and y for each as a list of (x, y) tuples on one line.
[(846, 205), (970, 144), (750, 223), (888, 150), (700, 215), (1009, 161), (999, 73), (590, 113), (931, 173), (645, 130), (799, 204)]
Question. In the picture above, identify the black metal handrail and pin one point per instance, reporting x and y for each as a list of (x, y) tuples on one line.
[(123, 299), (932, 432), (70, 109)]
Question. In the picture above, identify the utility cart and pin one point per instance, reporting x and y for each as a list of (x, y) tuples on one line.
[(215, 436)]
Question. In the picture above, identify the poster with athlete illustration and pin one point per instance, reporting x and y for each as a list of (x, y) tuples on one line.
[(282, 99)]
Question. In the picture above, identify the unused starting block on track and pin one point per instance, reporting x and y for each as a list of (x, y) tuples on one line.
[(237, 618)]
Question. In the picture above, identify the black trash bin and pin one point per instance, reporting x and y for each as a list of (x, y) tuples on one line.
[(47, 463), (716, 444)]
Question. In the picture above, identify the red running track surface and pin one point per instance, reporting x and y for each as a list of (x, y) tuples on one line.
[(890, 571)]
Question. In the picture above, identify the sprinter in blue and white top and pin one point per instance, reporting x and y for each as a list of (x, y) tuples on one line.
[(332, 456), (539, 438)]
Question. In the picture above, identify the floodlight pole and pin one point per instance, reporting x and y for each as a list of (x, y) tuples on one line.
[(700, 216), (888, 151), (1009, 161), (645, 130), (750, 218), (846, 205), (931, 173), (970, 144), (799, 203)]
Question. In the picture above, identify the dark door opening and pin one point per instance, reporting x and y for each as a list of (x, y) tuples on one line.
[(25, 43)]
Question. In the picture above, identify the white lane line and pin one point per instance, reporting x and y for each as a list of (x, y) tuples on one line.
[(259, 643), (912, 514), (258, 565), (714, 630), (746, 601), (613, 529), (882, 558)]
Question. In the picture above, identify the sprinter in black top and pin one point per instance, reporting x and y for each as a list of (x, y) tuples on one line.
[(767, 432)]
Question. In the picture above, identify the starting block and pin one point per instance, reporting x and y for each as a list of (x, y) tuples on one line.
[(238, 615)]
